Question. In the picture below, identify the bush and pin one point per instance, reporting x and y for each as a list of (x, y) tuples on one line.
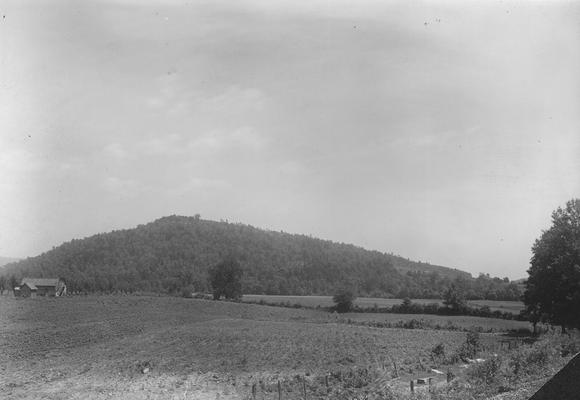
[(470, 347), (187, 292), (570, 348), (533, 359), (438, 353), (343, 301), (485, 372)]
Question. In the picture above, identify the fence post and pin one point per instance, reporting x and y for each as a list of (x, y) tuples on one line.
[(412, 387), (279, 391), (304, 386), (430, 382), (396, 369)]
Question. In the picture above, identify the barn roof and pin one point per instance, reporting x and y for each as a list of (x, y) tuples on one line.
[(30, 285), (40, 282)]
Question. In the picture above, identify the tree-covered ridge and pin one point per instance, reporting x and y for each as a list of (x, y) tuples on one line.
[(176, 252)]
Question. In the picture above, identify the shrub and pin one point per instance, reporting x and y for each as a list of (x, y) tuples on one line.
[(438, 353), (344, 301), (533, 359), (485, 372), (470, 347), (570, 347), (187, 292)]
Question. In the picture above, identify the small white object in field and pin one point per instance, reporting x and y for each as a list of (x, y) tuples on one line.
[(437, 371), (145, 370)]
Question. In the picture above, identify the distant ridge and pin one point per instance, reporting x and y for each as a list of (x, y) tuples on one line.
[(174, 253)]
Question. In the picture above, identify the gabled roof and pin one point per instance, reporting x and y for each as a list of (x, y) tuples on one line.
[(40, 282), (30, 285)]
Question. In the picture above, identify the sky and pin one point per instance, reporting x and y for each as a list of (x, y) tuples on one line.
[(443, 131)]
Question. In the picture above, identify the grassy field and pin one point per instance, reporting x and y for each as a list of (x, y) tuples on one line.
[(99, 346), (453, 322), (326, 301)]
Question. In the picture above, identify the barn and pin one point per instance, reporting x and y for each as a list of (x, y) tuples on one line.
[(51, 287), (27, 289)]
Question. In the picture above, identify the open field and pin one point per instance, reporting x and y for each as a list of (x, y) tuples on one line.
[(98, 346), (326, 301)]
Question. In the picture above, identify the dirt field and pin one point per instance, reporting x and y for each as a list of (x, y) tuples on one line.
[(98, 347)]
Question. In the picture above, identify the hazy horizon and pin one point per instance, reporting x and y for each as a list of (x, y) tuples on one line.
[(445, 132)]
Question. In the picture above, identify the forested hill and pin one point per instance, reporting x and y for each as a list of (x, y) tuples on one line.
[(173, 253)]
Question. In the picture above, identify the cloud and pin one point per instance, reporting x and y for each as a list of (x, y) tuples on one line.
[(204, 183), (161, 145), (236, 98), (173, 93), (117, 151), (243, 138), (293, 168), (123, 187), (18, 160), (200, 186)]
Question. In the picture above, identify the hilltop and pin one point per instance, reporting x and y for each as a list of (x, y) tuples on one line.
[(173, 254)]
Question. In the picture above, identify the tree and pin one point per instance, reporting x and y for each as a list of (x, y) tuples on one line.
[(553, 288), (406, 304), (552, 291), (454, 299), (344, 300), (225, 279), (12, 282)]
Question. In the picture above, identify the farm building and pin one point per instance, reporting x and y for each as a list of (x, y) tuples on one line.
[(30, 287)]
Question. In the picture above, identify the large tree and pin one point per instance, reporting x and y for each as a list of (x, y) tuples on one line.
[(553, 287), (454, 299), (226, 279)]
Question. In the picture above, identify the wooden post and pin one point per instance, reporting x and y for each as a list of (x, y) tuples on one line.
[(412, 387), (430, 382), (279, 391), (396, 369), (326, 381), (304, 386), (448, 375), (253, 391)]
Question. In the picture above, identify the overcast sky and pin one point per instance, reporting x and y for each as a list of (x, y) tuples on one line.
[(445, 132)]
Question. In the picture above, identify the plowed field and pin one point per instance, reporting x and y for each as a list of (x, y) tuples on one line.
[(161, 347)]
